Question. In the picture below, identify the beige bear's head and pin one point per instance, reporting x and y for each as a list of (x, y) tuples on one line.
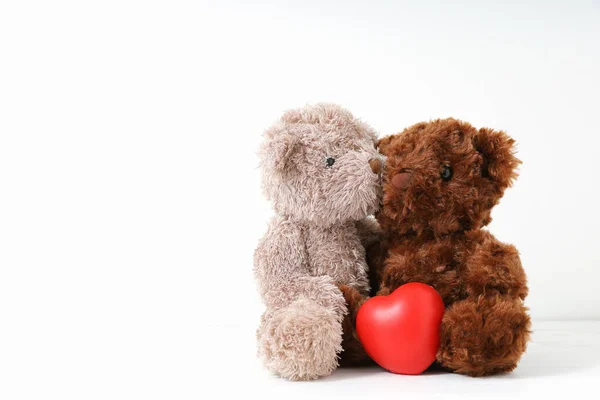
[(320, 165)]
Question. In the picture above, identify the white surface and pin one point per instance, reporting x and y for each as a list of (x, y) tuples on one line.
[(129, 194), (562, 360)]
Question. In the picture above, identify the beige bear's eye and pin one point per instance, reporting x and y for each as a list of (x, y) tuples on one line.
[(330, 161)]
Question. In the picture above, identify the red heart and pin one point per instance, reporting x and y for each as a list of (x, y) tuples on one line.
[(401, 332)]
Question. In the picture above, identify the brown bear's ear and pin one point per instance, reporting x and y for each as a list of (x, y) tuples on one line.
[(498, 152), (277, 152), (383, 143)]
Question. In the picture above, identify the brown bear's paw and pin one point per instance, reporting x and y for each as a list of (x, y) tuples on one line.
[(354, 300), (483, 336), (353, 353), (301, 341)]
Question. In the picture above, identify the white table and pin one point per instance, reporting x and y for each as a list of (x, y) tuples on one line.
[(563, 359)]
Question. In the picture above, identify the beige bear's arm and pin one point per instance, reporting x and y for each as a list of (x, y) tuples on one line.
[(368, 231), (280, 268)]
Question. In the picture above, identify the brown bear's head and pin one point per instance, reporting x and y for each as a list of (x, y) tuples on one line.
[(444, 176)]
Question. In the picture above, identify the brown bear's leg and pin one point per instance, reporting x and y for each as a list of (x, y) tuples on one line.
[(353, 353), (483, 336)]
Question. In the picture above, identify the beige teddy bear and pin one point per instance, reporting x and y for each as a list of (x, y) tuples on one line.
[(322, 173)]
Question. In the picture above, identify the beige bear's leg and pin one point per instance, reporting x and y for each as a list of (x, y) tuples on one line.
[(301, 341)]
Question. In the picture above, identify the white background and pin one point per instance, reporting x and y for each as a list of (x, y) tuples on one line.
[(130, 202)]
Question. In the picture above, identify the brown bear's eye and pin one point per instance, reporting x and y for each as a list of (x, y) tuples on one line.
[(330, 161), (446, 173)]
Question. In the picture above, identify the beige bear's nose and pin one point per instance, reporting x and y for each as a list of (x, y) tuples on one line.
[(375, 164)]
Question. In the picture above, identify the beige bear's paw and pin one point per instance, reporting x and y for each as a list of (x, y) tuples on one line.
[(301, 341)]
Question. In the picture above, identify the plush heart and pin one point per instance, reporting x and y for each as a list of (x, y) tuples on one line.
[(401, 332)]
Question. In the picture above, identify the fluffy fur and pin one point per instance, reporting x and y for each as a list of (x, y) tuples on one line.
[(310, 266), (433, 234)]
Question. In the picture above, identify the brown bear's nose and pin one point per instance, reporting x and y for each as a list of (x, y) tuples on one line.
[(402, 180), (375, 165)]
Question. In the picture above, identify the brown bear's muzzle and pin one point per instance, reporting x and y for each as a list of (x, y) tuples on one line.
[(402, 180)]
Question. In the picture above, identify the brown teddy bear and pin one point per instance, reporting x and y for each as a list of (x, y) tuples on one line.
[(322, 172), (441, 182)]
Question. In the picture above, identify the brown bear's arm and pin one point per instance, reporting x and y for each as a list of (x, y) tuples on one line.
[(354, 353), (395, 272), (430, 263), (403, 265), (376, 256), (494, 268)]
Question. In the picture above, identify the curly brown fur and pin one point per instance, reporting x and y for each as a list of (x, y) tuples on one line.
[(432, 220), (483, 335), (353, 353)]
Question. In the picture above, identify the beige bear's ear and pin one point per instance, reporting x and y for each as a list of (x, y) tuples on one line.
[(277, 152), (498, 152)]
